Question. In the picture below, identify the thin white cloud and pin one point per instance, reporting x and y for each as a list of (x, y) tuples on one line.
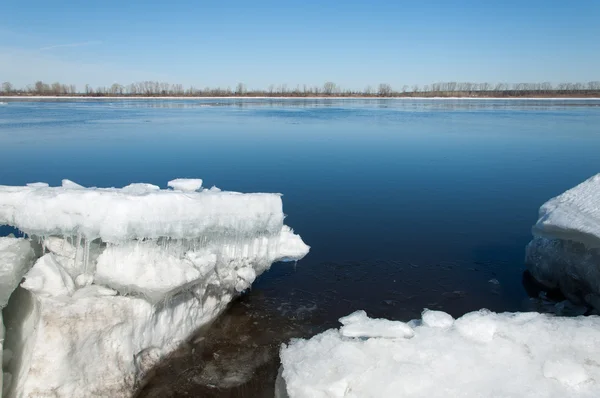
[(82, 44)]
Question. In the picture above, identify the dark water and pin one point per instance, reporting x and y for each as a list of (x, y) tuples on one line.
[(406, 204)]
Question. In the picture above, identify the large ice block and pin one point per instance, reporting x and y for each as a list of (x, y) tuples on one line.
[(126, 275), (565, 250)]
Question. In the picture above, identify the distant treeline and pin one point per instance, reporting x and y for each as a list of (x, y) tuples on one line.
[(329, 89)]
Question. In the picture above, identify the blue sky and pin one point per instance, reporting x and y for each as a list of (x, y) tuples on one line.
[(352, 43)]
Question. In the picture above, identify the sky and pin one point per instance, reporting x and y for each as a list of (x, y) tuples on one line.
[(351, 43)]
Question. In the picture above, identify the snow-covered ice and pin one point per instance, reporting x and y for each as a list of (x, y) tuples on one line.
[(565, 250), (481, 354), (122, 277)]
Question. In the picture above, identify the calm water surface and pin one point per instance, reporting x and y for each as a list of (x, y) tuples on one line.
[(407, 204)]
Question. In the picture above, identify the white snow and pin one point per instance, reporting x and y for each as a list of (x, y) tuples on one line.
[(126, 276), (185, 184), (565, 250), (481, 354)]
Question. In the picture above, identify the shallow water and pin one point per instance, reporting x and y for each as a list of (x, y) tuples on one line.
[(406, 203)]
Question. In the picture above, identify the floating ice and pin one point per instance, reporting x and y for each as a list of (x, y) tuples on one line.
[(186, 184), (565, 250), (126, 275), (481, 354)]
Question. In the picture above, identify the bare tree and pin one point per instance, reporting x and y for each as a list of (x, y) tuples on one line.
[(56, 88), (39, 87), (7, 87), (329, 88), (385, 90), (240, 89), (116, 89)]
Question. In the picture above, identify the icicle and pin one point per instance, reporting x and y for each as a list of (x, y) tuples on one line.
[(86, 255), (77, 250)]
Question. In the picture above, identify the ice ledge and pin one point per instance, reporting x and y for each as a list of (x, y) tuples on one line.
[(138, 211)]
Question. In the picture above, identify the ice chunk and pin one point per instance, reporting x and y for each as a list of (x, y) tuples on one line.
[(145, 268), (140, 188), (59, 246), (437, 319), (76, 258), (547, 356), (573, 215), (159, 270), (565, 250), (70, 184), (185, 184), (83, 280), (115, 215), (48, 278), (16, 258), (247, 274), (38, 185), (290, 247), (359, 324)]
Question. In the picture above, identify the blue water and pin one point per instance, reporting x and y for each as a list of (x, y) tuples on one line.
[(406, 203)]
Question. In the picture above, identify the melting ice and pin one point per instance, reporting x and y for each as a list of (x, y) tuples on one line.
[(117, 278)]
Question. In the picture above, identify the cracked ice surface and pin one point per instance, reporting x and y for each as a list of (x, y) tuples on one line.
[(125, 276), (481, 354)]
